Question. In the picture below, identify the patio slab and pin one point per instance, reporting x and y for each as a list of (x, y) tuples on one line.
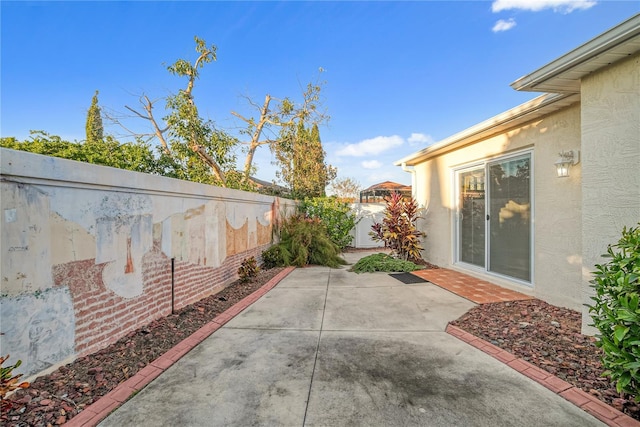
[(425, 379), (397, 307), (284, 308), (314, 276), (345, 355), (238, 378)]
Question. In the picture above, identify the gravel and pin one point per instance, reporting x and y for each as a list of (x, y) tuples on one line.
[(548, 337)]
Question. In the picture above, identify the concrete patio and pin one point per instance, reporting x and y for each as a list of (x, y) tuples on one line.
[(327, 347)]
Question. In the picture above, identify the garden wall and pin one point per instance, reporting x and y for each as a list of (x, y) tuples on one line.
[(90, 253)]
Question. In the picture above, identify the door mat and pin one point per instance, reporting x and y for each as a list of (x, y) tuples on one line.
[(407, 278)]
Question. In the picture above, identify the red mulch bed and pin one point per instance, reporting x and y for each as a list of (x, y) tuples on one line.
[(548, 337), (56, 398)]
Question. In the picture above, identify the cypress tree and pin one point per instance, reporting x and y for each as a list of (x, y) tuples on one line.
[(94, 128)]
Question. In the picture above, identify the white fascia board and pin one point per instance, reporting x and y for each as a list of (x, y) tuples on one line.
[(530, 110), (582, 54)]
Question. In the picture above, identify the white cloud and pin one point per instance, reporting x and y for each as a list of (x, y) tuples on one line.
[(420, 138), (381, 177), (504, 25), (563, 6), (372, 146), (371, 164)]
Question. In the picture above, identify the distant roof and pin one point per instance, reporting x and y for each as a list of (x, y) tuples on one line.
[(388, 185), (268, 185)]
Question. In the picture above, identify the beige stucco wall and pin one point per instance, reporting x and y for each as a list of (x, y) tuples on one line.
[(610, 161), (557, 201)]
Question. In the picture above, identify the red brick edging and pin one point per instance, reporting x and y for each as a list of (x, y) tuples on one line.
[(605, 413), (97, 411)]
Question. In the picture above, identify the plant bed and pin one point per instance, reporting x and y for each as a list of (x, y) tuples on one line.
[(55, 398), (548, 337)]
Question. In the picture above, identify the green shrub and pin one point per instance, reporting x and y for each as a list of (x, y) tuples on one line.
[(383, 262), (616, 311), (335, 215), (303, 241), (398, 230), (248, 269), (274, 257)]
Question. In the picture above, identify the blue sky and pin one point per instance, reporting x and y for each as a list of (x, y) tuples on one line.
[(399, 75)]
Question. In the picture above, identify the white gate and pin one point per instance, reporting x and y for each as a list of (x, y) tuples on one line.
[(366, 214)]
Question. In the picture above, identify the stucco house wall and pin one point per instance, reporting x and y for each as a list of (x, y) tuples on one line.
[(610, 160), (591, 107), (557, 204), (91, 253)]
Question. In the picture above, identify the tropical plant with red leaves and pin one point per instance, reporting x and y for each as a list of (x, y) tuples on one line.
[(398, 228), (9, 382)]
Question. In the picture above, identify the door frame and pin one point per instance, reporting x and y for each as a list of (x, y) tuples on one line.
[(455, 195)]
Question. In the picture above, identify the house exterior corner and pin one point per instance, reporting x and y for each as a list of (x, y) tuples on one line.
[(494, 205)]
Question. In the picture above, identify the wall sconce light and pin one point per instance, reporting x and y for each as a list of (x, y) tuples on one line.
[(566, 160)]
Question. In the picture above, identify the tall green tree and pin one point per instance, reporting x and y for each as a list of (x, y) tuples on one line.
[(310, 173), (192, 147), (276, 124), (94, 128), (301, 158)]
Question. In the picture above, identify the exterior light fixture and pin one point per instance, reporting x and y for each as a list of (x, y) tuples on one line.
[(565, 161)]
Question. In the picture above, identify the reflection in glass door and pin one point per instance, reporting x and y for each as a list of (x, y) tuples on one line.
[(471, 216), (510, 217), (494, 217)]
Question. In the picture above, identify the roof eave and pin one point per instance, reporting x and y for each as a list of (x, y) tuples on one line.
[(530, 110), (586, 52)]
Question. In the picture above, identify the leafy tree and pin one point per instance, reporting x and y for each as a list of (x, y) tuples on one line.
[(301, 158), (41, 142), (94, 128), (335, 215), (346, 189), (277, 127), (310, 174), (192, 147), (137, 156)]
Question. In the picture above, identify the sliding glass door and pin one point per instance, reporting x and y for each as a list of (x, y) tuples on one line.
[(471, 235), (494, 217)]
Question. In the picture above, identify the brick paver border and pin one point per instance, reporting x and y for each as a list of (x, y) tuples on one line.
[(97, 411), (475, 290), (605, 413)]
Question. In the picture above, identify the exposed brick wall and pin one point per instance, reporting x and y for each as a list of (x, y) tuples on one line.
[(194, 282), (102, 317)]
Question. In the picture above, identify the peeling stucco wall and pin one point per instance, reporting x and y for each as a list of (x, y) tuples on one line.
[(86, 251), (610, 162)]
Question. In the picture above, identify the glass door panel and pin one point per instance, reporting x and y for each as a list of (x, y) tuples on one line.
[(510, 217), (471, 217)]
